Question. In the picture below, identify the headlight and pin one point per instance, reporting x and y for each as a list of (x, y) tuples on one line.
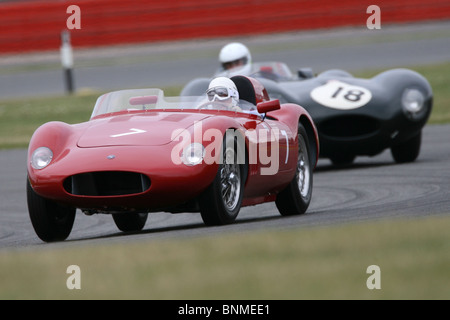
[(413, 102), (193, 154), (41, 157)]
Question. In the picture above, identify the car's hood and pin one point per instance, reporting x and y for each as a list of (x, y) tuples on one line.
[(150, 129)]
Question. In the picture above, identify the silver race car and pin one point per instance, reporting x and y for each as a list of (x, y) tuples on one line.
[(354, 116)]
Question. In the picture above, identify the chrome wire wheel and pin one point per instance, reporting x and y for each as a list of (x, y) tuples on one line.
[(230, 179), (295, 198), (303, 168), (221, 202)]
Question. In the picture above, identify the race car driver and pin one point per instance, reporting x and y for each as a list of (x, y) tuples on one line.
[(234, 58), (223, 91)]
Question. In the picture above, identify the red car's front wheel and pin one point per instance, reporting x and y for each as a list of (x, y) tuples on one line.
[(51, 221), (130, 221), (221, 202)]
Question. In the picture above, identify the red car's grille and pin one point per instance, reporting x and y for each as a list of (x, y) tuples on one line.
[(106, 183)]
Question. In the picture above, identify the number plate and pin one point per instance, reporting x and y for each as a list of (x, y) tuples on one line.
[(340, 95)]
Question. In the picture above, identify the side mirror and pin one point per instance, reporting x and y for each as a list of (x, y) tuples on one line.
[(142, 100), (305, 73), (267, 106)]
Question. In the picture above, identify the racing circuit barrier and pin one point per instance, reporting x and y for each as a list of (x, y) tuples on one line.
[(34, 25)]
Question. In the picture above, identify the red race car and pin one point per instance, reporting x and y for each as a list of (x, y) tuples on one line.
[(143, 152)]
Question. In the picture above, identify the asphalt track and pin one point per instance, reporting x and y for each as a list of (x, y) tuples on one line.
[(372, 188)]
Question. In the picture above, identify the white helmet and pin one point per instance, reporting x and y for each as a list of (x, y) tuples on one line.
[(234, 54), (221, 89)]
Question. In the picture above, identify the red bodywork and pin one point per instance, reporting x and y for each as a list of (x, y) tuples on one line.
[(143, 143)]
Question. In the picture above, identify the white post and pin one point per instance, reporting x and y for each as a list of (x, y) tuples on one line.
[(67, 60)]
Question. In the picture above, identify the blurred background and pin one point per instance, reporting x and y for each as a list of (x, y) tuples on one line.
[(36, 25), (143, 43)]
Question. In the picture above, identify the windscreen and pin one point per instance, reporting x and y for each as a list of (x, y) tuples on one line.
[(135, 100)]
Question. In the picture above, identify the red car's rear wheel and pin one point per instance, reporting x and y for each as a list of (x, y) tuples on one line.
[(296, 197)]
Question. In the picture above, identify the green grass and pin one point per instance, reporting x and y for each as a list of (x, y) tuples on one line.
[(19, 118), (301, 263)]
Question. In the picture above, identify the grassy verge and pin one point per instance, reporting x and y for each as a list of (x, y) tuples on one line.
[(21, 117), (314, 263)]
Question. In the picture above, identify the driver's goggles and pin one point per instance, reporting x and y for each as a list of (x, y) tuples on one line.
[(235, 63), (222, 93)]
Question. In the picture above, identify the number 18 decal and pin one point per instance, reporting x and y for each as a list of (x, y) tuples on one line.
[(340, 95)]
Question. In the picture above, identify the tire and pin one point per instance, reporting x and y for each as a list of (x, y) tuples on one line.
[(51, 221), (130, 221), (221, 202), (296, 197), (343, 160), (407, 151)]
